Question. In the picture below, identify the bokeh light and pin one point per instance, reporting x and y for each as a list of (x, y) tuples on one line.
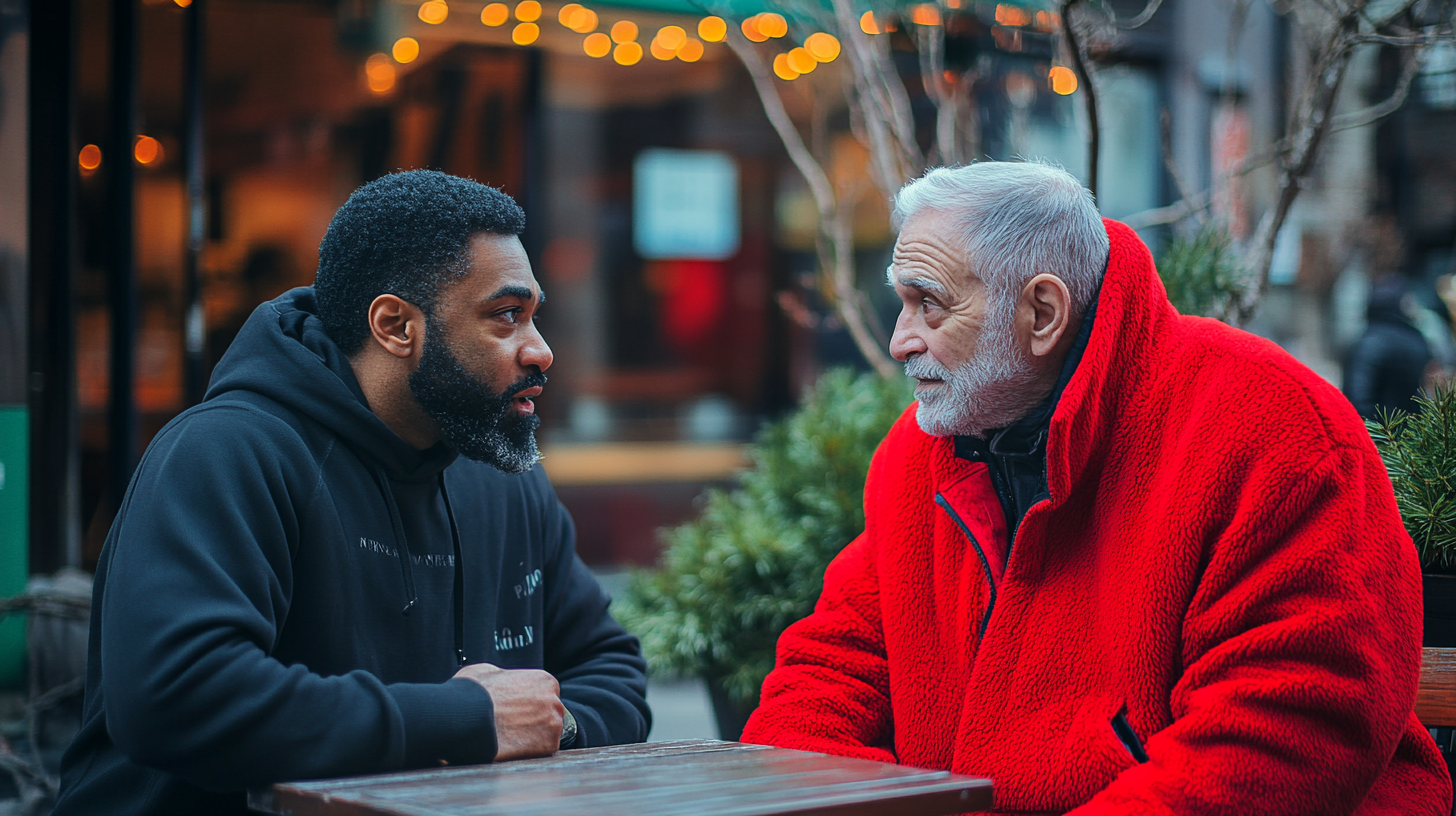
[(627, 53), (671, 37), (1062, 79), (564, 15), (823, 47), (406, 49), (772, 25), (183, 3), (380, 73), (801, 61), (528, 11), (525, 33), (691, 50), (89, 158), (625, 31), (495, 14), (583, 20), (660, 51), (868, 25), (926, 14), (597, 45), (712, 29), (147, 150), (1009, 15), (782, 69), (750, 30), (434, 12)]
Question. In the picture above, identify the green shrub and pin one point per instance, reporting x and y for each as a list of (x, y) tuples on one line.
[(1419, 451), (1201, 273), (732, 580)]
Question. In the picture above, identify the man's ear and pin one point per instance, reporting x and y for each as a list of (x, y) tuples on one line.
[(1045, 313), (397, 325)]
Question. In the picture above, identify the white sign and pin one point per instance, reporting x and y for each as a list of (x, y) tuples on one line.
[(685, 204)]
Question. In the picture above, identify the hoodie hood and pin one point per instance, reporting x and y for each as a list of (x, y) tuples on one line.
[(283, 353)]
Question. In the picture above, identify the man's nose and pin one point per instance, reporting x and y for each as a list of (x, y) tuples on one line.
[(905, 341), (536, 352)]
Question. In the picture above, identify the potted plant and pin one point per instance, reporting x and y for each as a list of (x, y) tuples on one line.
[(1419, 450), (752, 563)]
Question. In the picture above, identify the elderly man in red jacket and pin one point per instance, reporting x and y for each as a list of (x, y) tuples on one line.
[(1117, 559)]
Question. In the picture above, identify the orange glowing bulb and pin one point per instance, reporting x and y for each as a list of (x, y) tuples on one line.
[(659, 51), (525, 33), (782, 69), (406, 49), (380, 73), (773, 25), (597, 45), (582, 21), (564, 15), (434, 12), (691, 51), (528, 11), (926, 14), (147, 150), (89, 158), (495, 14), (627, 53), (822, 47), (867, 23), (712, 29), (1062, 79), (625, 31), (671, 37), (751, 30), (801, 61)]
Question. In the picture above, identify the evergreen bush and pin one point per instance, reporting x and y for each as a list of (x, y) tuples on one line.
[(1419, 450), (1201, 272), (732, 580)]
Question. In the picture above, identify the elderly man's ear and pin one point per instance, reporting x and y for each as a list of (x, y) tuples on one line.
[(1045, 313)]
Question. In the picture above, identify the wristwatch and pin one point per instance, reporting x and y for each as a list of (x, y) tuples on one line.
[(568, 730)]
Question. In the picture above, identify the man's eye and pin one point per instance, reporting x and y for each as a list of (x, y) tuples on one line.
[(510, 315)]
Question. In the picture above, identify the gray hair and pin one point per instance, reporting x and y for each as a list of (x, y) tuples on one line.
[(1017, 220)]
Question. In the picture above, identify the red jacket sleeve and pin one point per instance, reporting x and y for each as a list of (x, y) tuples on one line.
[(1301, 653), (830, 690)]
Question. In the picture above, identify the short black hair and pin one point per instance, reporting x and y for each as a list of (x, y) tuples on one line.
[(406, 234)]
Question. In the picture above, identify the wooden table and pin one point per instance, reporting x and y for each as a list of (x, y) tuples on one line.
[(655, 779)]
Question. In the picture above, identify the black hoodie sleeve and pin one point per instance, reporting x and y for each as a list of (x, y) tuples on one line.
[(598, 664), (194, 588)]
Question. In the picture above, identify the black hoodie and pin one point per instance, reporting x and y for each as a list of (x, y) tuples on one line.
[(276, 599)]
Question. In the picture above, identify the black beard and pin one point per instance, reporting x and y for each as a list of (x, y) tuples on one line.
[(473, 419)]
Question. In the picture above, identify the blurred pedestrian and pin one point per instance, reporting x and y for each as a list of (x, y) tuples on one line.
[(1387, 365)]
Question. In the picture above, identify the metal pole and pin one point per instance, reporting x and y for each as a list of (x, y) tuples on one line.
[(120, 178), (55, 538), (194, 333)]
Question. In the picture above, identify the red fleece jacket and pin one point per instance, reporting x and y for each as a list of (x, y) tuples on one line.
[(1221, 560)]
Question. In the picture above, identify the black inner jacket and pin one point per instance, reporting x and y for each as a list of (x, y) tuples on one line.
[(289, 586), (1016, 455)]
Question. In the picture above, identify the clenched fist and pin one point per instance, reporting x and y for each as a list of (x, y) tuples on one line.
[(528, 709)]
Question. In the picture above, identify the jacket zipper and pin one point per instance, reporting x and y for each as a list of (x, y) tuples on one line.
[(1128, 737), (985, 565)]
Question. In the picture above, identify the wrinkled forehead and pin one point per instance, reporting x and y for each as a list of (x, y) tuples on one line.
[(929, 254)]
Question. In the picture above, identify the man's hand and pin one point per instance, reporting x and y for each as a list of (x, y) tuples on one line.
[(528, 709)]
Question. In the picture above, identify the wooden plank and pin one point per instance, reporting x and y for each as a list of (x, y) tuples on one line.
[(655, 779), (1436, 695)]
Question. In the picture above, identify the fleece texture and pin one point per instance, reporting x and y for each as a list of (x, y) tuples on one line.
[(1219, 573)]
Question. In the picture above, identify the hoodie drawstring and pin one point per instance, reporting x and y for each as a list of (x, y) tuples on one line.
[(460, 658), (411, 598)]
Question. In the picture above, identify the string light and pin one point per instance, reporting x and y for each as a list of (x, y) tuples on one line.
[(1009, 15), (822, 47), (525, 33), (751, 31), (801, 61), (926, 14), (660, 51), (712, 29), (782, 69), (671, 37), (597, 45), (434, 12), (528, 11), (147, 150), (183, 3), (582, 20), (89, 158), (772, 25), (495, 14), (1062, 79), (627, 53), (625, 31), (406, 49), (868, 25), (691, 50), (380, 73), (564, 15)]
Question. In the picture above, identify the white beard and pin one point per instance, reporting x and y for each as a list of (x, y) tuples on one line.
[(994, 389)]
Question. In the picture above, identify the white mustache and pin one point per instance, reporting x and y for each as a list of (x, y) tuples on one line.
[(924, 367)]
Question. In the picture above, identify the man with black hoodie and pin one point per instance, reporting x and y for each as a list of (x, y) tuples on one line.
[(304, 581)]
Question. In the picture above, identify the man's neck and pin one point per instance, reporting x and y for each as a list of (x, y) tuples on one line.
[(386, 391)]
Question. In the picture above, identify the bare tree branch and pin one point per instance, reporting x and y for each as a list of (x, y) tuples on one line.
[(1084, 79), (1411, 65)]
